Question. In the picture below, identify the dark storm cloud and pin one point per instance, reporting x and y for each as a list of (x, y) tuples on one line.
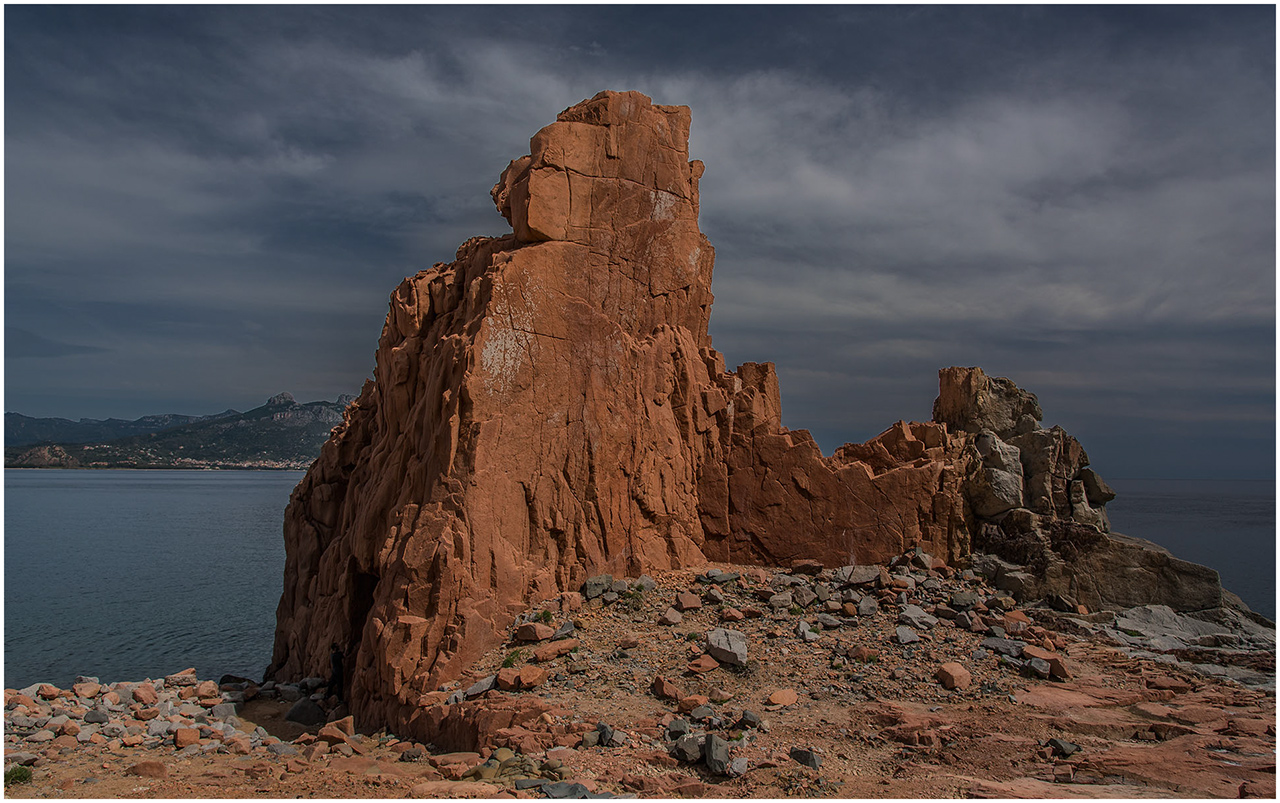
[(219, 200)]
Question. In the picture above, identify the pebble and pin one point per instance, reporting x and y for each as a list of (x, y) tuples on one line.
[(806, 756), (905, 635)]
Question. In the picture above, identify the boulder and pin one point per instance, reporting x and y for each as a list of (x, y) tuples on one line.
[(306, 712), (727, 646), (953, 676), (1096, 489)]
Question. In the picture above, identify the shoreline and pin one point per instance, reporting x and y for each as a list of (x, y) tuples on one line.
[(933, 683)]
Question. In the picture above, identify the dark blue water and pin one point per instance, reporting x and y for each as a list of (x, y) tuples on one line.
[(133, 574), (1227, 525), (130, 574)]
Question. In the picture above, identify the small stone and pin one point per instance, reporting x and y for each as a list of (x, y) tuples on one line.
[(533, 631), (223, 711), (781, 601), (738, 767), (687, 748), (508, 678), (595, 586), (804, 596), (915, 616), (664, 689), (1004, 646), (749, 719), (703, 664), (687, 601), (807, 566), (185, 737), (805, 631), (148, 769), (857, 575), (702, 713), (829, 622), (806, 756), (727, 646), (905, 635), (564, 631), (553, 650), (716, 754), (1062, 747), (953, 676), (87, 690), (206, 688), (481, 686), (531, 677), (868, 606), (671, 617), (784, 697)]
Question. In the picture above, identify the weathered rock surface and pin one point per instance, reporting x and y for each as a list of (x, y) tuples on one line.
[(547, 412), (548, 407)]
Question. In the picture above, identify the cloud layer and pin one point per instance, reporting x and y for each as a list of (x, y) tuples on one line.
[(207, 206)]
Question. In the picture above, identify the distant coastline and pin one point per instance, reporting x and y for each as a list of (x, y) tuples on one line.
[(281, 435)]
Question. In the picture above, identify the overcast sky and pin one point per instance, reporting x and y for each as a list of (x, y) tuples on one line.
[(207, 206)]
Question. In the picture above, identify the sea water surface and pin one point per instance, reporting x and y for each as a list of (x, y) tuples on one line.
[(133, 574)]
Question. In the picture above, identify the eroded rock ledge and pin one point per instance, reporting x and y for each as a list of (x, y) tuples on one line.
[(548, 407)]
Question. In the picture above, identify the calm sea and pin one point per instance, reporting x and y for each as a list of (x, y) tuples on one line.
[(130, 574), (133, 574)]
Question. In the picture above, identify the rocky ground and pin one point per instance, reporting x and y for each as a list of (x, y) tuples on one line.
[(905, 681)]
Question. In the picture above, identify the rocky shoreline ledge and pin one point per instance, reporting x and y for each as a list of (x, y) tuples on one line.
[(907, 680)]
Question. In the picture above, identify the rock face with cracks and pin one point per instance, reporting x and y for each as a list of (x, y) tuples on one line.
[(548, 407)]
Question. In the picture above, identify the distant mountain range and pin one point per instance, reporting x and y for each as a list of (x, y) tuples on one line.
[(281, 434)]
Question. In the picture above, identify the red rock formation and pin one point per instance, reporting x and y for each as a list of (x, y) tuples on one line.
[(548, 406)]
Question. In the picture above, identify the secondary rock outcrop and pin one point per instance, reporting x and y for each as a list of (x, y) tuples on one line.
[(549, 407)]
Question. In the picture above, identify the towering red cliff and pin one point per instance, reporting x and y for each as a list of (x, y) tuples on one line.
[(548, 406)]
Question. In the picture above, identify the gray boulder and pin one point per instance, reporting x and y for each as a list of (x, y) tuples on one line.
[(806, 756), (687, 748), (716, 754), (596, 586), (727, 646), (306, 712), (915, 616), (857, 575), (481, 686)]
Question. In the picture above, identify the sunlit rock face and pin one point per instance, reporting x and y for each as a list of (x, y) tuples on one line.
[(548, 406)]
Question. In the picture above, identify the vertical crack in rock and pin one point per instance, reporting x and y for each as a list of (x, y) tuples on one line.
[(548, 407)]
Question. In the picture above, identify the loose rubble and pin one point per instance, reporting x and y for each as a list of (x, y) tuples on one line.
[(989, 698)]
